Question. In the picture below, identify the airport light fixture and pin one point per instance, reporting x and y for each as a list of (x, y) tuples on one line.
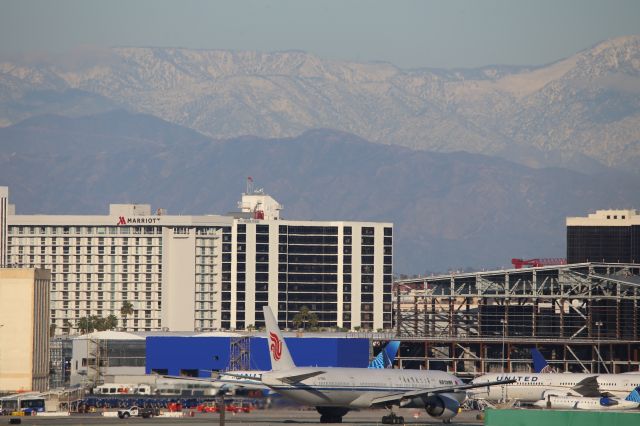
[(599, 324)]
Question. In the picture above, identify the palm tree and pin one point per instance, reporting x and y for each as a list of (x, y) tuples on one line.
[(305, 317), (85, 325), (126, 310), (110, 322)]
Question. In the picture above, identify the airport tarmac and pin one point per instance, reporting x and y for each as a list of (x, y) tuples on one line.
[(257, 417)]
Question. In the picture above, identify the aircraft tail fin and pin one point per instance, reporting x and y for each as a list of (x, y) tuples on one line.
[(280, 356), (540, 365), (386, 356), (634, 396)]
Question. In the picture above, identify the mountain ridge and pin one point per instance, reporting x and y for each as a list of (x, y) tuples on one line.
[(450, 210), (562, 111)]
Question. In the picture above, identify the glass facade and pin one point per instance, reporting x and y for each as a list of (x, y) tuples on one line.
[(615, 244), (308, 273)]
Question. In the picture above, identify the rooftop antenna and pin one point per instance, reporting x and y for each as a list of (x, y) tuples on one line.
[(249, 185)]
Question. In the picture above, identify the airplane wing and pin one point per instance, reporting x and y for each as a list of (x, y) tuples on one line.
[(588, 387), (188, 378), (399, 397), (248, 382), (299, 377)]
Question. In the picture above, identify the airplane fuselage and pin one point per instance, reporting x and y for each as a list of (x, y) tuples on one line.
[(578, 403), (532, 387), (358, 387)]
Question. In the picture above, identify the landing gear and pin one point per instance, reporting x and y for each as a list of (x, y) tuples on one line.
[(392, 419), (331, 414), (330, 419)]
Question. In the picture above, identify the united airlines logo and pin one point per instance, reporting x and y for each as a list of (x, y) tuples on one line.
[(276, 346), (547, 369)]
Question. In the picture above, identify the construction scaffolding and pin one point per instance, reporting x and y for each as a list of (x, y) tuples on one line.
[(582, 317), (60, 354), (97, 361), (240, 353)]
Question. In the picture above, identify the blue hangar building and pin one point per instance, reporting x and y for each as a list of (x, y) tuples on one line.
[(197, 356)]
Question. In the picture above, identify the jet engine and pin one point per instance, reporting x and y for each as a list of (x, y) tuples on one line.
[(607, 402), (442, 406)]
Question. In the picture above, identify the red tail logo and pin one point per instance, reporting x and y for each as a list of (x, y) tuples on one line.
[(276, 345), (122, 221)]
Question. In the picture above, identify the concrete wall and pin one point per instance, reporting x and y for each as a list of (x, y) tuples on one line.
[(207, 354), (24, 331)]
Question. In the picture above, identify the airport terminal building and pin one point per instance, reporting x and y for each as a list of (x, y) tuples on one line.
[(207, 272)]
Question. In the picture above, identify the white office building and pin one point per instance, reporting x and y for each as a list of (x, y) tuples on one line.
[(209, 272)]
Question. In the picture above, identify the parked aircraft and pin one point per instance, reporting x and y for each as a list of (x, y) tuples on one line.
[(334, 391), (251, 379), (631, 402), (532, 387)]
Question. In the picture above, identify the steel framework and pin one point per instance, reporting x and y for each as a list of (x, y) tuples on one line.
[(582, 317)]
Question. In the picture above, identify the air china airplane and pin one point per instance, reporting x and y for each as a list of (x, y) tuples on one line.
[(251, 379), (334, 391), (631, 402)]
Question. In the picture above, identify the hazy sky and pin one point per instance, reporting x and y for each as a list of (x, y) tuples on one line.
[(447, 33)]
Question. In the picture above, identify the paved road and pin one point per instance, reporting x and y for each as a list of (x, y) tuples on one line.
[(258, 417)]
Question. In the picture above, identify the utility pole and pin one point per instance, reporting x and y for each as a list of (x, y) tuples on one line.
[(599, 324)]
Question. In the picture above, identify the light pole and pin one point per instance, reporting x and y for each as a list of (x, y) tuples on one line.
[(504, 326), (598, 324)]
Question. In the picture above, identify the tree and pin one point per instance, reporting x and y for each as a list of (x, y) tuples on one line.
[(126, 310), (94, 322), (52, 329), (84, 325), (304, 317), (111, 322)]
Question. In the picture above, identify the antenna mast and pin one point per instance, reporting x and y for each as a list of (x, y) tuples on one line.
[(249, 185)]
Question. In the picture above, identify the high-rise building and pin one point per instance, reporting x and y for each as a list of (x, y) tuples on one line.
[(209, 272), (611, 236), (4, 207), (24, 329)]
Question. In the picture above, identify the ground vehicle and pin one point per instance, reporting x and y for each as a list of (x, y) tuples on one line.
[(119, 389), (237, 408), (208, 407), (27, 404), (137, 412)]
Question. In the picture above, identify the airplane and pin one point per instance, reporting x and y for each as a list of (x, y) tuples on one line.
[(631, 402), (533, 387), (251, 379), (334, 391)]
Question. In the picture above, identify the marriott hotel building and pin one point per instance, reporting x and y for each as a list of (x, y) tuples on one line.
[(209, 272)]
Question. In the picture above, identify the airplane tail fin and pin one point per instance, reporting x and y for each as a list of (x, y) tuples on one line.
[(634, 396), (386, 356), (280, 356), (540, 365)]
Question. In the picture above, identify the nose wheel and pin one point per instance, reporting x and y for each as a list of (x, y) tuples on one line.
[(392, 419)]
